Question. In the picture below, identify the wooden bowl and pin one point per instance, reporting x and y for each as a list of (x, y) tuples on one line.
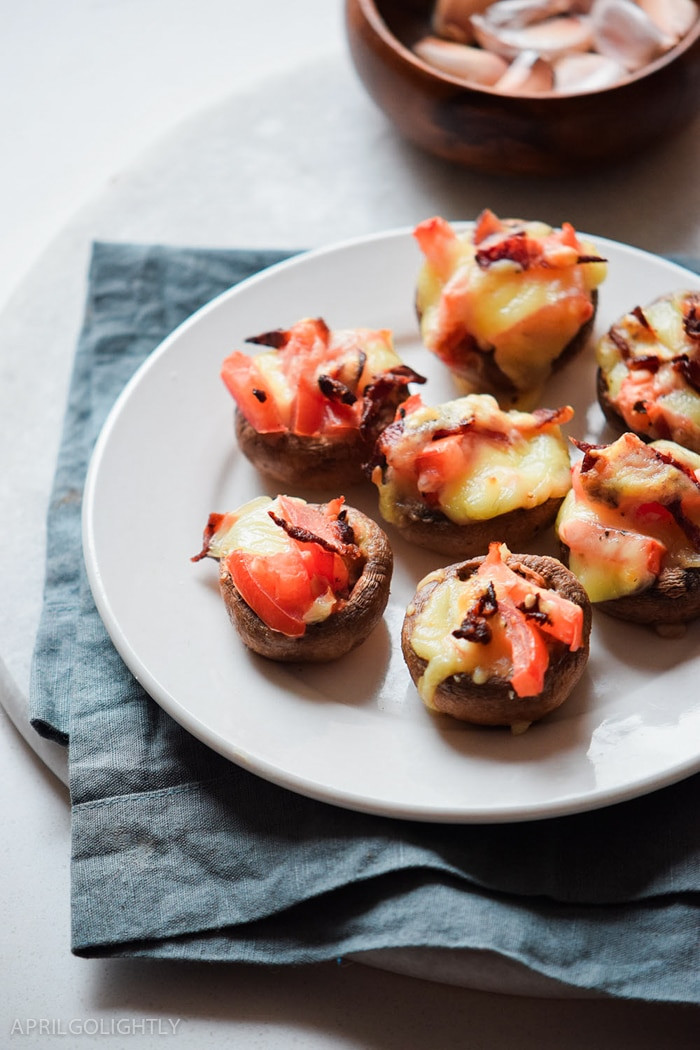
[(482, 129)]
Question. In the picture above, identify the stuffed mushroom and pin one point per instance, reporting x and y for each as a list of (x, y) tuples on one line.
[(309, 408), (497, 640), (302, 582), (630, 529), (506, 303), (451, 477), (648, 378)]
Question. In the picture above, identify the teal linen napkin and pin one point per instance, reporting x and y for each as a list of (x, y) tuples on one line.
[(178, 853)]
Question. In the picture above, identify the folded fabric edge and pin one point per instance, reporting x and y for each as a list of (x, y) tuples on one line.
[(538, 943), (49, 732), (477, 969)]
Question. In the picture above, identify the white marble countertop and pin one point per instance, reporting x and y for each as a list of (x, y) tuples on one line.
[(227, 124)]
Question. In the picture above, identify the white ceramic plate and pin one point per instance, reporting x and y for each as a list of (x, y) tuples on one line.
[(354, 733)]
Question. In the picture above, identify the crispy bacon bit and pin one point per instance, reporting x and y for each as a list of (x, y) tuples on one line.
[(689, 368), (210, 528), (621, 342), (334, 390), (467, 426), (259, 394), (645, 362), (691, 316), (345, 529), (543, 417), (277, 338), (589, 460), (553, 416), (377, 392), (524, 251), (390, 436), (517, 248), (407, 374), (641, 317), (530, 607), (302, 535), (474, 627), (666, 457), (591, 259), (460, 428)]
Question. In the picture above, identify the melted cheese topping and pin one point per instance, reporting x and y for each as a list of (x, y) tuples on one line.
[(526, 474), (432, 639), (604, 524), (610, 565), (526, 467), (250, 529)]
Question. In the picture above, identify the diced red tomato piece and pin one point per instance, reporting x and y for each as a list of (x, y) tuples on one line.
[(245, 383), (273, 594), (439, 243), (411, 404), (337, 416), (568, 236), (322, 564), (308, 407), (438, 462), (325, 569), (286, 577), (306, 349), (529, 651), (654, 513), (487, 224), (566, 617)]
